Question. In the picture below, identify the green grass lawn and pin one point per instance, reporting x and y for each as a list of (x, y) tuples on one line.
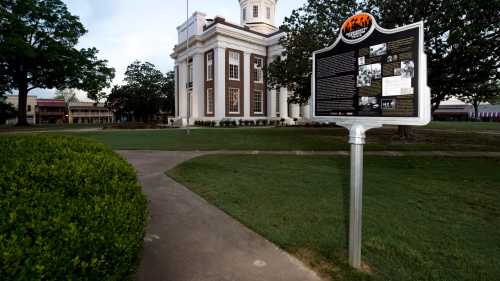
[(288, 139), (47, 127), (465, 126), (425, 218)]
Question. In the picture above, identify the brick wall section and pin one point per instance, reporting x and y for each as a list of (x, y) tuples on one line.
[(235, 84)]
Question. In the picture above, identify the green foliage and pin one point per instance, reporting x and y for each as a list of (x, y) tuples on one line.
[(169, 88), (462, 43), (146, 92), (68, 95), (71, 210), (310, 28), (462, 40), (7, 111), (205, 123), (37, 50)]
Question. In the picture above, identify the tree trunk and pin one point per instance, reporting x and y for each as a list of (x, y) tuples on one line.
[(23, 100), (476, 112)]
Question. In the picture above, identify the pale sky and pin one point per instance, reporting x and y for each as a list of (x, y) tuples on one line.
[(128, 30)]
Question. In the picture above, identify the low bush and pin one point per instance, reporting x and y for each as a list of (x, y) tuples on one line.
[(205, 123), (71, 209), (133, 126)]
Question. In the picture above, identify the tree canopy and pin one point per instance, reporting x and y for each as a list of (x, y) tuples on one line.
[(68, 95), (462, 41), (146, 92), (7, 111), (37, 50)]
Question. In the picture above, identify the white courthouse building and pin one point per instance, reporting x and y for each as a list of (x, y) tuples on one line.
[(219, 71)]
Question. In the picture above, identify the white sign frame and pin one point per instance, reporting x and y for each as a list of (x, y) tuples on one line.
[(424, 92)]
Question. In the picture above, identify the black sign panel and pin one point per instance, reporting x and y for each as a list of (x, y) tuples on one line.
[(371, 72)]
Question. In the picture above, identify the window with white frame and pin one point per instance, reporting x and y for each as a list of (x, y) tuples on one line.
[(234, 66), (210, 66), (244, 14), (210, 101), (255, 11), (258, 102), (234, 100), (268, 11), (258, 73), (278, 93)]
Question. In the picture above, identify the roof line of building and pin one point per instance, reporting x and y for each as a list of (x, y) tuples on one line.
[(220, 20)]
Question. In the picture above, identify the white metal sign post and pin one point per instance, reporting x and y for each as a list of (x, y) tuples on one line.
[(368, 78)]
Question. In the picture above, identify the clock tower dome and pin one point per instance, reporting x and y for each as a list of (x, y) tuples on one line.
[(259, 15)]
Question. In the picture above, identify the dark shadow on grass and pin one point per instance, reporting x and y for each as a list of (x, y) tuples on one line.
[(345, 184)]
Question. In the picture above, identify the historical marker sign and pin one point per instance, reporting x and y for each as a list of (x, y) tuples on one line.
[(372, 75)]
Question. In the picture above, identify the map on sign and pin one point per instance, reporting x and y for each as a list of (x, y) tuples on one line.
[(372, 73)]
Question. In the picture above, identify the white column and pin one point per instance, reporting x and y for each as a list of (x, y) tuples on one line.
[(177, 86), (284, 103), (246, 84), (272, 103), (198, 100), (220, 83), (182, 90), (306, 111), (294, 110)]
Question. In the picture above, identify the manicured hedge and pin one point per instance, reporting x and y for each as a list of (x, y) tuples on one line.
[(70, 209)]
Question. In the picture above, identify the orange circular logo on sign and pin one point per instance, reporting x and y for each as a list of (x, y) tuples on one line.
[(357, 26)]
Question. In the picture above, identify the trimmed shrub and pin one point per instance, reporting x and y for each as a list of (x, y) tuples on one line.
[(71, 209)]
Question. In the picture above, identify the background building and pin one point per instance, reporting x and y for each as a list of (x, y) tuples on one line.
[(89, 113), (465, 112), (50, 111), (221, 74), (30, 108)]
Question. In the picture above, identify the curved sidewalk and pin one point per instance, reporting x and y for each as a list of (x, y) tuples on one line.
[(188, 239)]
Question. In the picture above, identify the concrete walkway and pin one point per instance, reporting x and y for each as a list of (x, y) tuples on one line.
[(188, 239)]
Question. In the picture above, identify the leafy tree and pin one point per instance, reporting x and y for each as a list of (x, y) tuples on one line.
[(144, 94), (169, 88), (97, 96), (37, 50), (310, 28), (487, 92), (495, 100), (68, 95), (7, 111), (462, 40)]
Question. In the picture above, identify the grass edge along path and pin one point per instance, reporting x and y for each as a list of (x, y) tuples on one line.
[(310, 139), (425, 218)]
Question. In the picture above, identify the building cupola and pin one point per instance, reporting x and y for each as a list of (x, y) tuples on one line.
[(259, 15)]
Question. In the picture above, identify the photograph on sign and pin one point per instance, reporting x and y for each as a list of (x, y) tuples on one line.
[(372, 73)]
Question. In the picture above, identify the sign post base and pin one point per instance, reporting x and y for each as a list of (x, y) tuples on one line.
[(357, 136)]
